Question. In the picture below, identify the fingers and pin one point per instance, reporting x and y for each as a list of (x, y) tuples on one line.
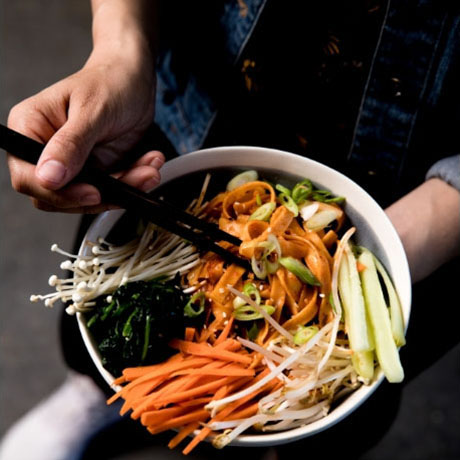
[(73, 195), (70, 136), (65, 153), (69, 199), (142, 177), (155, 159), (43, 206)]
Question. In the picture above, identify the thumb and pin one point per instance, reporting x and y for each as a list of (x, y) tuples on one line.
[(64, 154)]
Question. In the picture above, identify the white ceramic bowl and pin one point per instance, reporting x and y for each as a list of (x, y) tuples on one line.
[(374, 231)]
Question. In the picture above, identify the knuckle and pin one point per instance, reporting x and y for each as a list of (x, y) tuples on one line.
[(19, 184), (16, 115), (42, 205)]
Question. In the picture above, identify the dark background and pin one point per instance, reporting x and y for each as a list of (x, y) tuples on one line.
[(41, 42)]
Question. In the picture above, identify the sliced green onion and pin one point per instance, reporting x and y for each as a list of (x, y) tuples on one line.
[(308, 209), (241, 179), (271, 266), (302, 191), (258, 200), (283, 189), (145, 348), (249, 313), (259, 267), (326, 197), (189, 309), (300, 270), (263, 212), (336, 199), (238, 302), (252, 292), (304, 334), (289, 203), (321, 219), (271, 245)]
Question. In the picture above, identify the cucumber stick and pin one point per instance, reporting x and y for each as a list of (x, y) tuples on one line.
[(396, 317), (353, 304), (363, 363), (385, 346)]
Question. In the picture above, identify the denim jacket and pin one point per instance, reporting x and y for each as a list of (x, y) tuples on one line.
[(410, 109)]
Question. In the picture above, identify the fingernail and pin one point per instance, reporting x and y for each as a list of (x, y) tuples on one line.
[(157, 163), (90, 199), (52, 171), (149, 184)]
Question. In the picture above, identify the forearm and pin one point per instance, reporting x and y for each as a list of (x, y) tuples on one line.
[(428, 222), (127, 27)]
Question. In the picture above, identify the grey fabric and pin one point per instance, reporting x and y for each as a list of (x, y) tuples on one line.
[(447, 169)]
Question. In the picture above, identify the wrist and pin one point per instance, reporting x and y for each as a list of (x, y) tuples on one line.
[(124, 31)]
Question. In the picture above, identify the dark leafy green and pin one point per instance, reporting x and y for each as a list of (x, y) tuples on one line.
[(135, 327)]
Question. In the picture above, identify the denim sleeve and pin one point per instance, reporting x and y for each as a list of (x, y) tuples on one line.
[(447, 169)]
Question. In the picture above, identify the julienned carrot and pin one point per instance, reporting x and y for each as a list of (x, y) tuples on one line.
[(176, 385), (157, 416), (173, 394), (146, 385), (245, 412), (142, 389), (204, 432), (155, 419), (197, 391), (150, 401), (203, 349), (191, 427), (229, 345), (131, 373), (229, 371), (195, 402), (225, 332), (167, 368), (156, 401), (119, 380), (189, 333), (196, 416), (183, 433)]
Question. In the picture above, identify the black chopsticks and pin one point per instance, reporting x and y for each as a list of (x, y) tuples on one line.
[(203, 234)]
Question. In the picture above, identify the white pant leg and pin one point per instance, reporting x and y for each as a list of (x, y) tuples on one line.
[(60, 426)]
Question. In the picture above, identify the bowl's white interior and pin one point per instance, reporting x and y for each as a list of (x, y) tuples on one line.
[(374, 231)]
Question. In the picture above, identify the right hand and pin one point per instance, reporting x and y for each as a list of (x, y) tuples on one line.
[(103, 109)]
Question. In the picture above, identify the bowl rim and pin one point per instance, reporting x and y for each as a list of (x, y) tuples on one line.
[(245, 157)]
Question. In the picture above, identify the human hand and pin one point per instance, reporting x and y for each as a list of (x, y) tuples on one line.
[(101, 110)]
